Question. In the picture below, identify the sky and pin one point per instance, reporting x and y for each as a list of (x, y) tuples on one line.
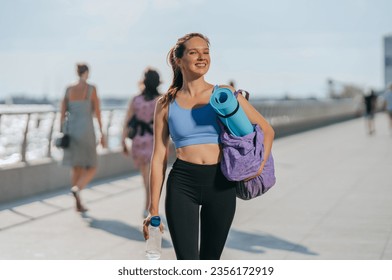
[(270, 48)]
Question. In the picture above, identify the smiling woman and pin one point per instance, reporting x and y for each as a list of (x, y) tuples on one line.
[(195, 181)]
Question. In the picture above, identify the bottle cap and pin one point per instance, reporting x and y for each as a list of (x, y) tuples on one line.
[(155, 221)]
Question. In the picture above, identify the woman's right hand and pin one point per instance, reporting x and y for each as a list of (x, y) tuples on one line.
[(125, 148), (146, 223)]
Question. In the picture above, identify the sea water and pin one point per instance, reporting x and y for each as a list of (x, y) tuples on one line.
[(13, 120)]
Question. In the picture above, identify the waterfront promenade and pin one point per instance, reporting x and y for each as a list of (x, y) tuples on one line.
[(332, 201)]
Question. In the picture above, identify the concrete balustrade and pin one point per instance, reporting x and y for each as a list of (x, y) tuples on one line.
[(27, 178)]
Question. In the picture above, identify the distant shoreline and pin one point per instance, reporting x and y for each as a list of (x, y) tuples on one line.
[(22, 101)]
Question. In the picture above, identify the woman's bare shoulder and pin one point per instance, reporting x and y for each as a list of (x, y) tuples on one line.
[(161, 107), (228, 86)]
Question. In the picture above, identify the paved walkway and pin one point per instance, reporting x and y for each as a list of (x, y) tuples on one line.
[(332, 200)]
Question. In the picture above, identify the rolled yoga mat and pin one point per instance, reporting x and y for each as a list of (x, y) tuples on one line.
[(230, 112)]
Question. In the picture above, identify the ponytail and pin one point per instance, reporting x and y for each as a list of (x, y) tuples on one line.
[(177, 78)]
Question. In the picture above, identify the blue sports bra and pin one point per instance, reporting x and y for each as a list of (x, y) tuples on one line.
[(193, 126)]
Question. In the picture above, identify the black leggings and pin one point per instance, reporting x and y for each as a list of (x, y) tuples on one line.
[(190, 186)]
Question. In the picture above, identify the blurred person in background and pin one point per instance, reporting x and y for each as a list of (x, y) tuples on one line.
[(140, 115), (78, 107), (370, 109)]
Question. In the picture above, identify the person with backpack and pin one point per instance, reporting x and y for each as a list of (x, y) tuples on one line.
[(139, 119)]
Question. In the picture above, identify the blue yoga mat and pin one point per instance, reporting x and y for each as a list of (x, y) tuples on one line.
[(230, 112)]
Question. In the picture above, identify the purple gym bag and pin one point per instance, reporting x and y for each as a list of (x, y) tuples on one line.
[(242, 157)]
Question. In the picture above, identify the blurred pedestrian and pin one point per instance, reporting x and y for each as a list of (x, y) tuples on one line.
[(140, 115), (196, 190), (370, 109), (388, 105), (78, 107)]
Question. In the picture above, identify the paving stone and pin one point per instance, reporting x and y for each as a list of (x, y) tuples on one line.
[(35, 209), (9, 218)]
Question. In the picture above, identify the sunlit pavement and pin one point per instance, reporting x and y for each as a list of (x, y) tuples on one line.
[(332, 200)]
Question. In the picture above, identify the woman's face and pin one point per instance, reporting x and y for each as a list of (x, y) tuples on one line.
[(196, 58), (85, 75)]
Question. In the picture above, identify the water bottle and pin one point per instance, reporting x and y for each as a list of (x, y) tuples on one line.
[(153, 245)]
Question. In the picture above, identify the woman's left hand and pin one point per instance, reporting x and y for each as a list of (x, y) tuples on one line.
[(258, 172), (103, 141)]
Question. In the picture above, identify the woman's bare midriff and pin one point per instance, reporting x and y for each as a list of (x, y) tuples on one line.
[(200, 154)]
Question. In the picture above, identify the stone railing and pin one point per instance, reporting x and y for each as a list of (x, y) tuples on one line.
[(32, 166), (28, 135)]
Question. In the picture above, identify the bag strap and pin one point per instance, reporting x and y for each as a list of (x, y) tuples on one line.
[(242, 92), (66, 99), (232, 113), (88, 91)]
